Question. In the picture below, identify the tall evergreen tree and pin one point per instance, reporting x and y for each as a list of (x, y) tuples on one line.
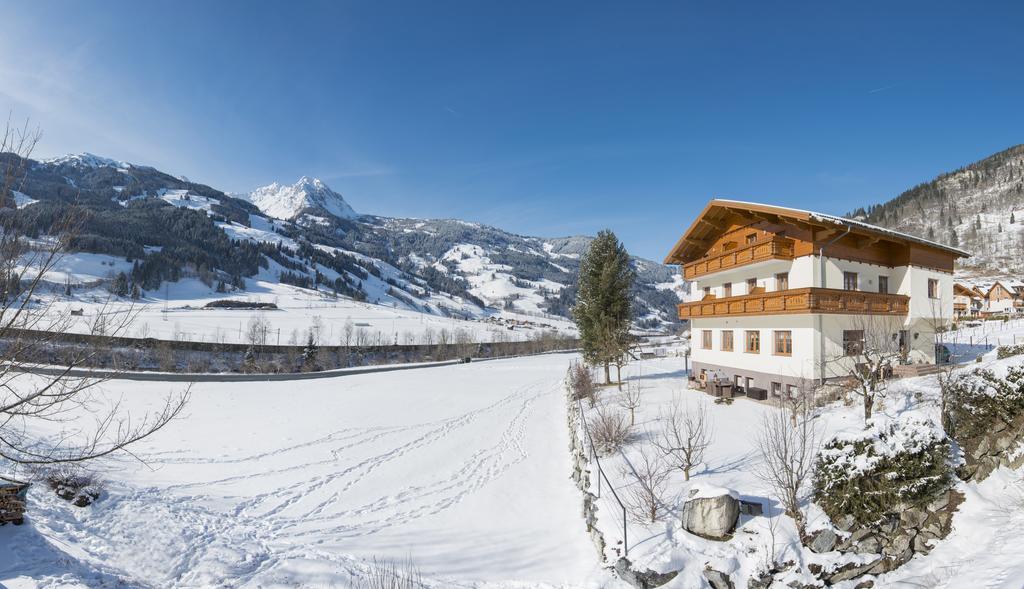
[(603, 308)]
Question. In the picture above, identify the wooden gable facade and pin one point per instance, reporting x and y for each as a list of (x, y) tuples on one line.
[(731, 233)]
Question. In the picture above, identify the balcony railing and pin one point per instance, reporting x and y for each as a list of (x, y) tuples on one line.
[(799, 300), (773, 249)]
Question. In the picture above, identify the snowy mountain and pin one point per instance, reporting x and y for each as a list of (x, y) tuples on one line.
[(979, 208), (307, 196), (306, 235)]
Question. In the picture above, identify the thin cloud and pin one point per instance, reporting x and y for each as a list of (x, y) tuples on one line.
[(882, 89)]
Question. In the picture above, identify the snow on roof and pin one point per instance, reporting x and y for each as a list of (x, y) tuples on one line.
[(825, 217)]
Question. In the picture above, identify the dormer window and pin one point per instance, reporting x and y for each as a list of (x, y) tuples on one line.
[(751, 238)]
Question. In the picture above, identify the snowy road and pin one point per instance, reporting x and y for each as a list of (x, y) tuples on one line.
[(462, 469)]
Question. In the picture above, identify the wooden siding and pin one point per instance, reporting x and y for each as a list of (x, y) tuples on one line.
[(799, 300), (770, 247)]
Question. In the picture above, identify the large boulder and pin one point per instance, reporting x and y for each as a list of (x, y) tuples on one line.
[(711, 512)]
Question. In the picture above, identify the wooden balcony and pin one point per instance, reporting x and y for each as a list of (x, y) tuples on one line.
[(777, 248), (799, 300)]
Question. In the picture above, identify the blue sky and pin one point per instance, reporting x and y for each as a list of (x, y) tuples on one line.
[(541, 118)]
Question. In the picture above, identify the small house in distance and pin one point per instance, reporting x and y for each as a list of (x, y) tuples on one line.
[(968, 301), (1005, 297), (781, 297)]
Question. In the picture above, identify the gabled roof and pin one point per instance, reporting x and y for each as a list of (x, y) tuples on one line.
[(689, 247), (967, 290), (1013, 287)]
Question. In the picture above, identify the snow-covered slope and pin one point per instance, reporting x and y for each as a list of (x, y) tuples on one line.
[(308, 195)]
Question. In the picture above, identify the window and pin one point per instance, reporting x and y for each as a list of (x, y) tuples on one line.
[(776, 389), (751, 285), (707, 290), (791, 391), (754, 342), (784, 343), (933, 288), (727, 340), (883, 284), (849, 281), (727, 289), (705, 339), (751, 238), (782, 281), (853, 342)]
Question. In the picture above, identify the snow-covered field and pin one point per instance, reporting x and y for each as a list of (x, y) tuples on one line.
[(176, 313), (462, 469)]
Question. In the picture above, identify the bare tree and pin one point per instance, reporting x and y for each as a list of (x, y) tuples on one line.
[(31, 326), (685, 436), (257, 330), (868, 353), (346, 331), (788, 454), (630, 399), (644, 496)]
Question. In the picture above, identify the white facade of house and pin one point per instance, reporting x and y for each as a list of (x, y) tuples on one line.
[(809, 330)]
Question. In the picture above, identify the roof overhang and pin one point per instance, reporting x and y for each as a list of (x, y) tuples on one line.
[(712, 220)]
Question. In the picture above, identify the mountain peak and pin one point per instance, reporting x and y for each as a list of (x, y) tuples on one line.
[(308, 195), (85, 160)]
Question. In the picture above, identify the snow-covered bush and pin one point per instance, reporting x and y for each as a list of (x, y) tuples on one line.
[(1008, 351), (896, 466), (72, 483), (609, 431), (979, 400)]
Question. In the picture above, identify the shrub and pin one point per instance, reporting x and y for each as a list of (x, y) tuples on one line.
[(581, 383), (609, 431), (901, 465), (1008, 351), (978, 400), (72, 483), (388, 575)]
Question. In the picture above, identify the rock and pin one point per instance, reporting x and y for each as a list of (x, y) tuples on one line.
[(981, 449), (889, 524), (913, 518), (881, 567), (897, 546), (868, 545), (845, 523), (646, 579), (711, 517), (851, 570), (868, 584), (823, 541), (921, 544), (939, 503), (718, 579), (859, 534), (1003, 442)]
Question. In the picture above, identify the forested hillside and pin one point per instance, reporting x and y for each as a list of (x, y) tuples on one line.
[(979, 208)]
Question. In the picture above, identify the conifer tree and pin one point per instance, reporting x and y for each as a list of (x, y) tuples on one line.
[(603, 308)]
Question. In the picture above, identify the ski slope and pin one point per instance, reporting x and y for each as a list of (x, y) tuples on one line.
[(462, 469)]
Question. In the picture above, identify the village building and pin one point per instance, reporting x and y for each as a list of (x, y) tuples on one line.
[(782, 297), (968, 301), (1005, 297)]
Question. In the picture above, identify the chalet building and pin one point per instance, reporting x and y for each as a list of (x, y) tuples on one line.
[(781, 297), (1005, 298), (968, 301)]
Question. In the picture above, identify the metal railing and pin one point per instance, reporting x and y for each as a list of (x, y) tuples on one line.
[(601, 475)]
